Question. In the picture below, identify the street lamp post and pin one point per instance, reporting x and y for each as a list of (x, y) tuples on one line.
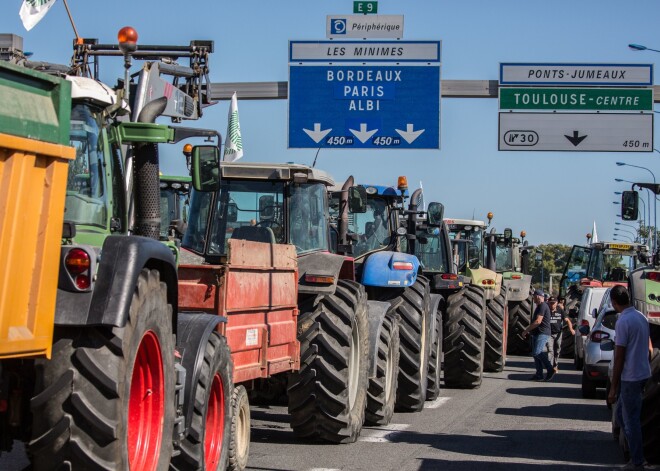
[(655, 203), (627, 232), (639, 47), (632, 227), (626, 236)]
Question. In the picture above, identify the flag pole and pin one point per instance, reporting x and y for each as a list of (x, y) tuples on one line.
[(73, 25)]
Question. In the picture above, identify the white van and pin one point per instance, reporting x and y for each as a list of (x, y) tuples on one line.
[(589, 306)]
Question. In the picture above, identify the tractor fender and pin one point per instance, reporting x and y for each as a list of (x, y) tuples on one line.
[(378, 270), (193, 331), (120, 263), (319, 264), (518, 290), (376, 314)]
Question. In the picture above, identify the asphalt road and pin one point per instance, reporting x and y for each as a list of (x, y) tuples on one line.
[(509, 424)]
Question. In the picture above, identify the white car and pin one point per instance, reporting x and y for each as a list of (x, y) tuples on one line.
[(590, 305), (597, 353)]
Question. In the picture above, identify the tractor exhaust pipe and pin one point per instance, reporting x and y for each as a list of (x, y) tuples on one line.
[(342, 226), (146, 177), (412, 218)]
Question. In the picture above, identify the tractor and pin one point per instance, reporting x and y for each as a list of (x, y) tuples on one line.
[(174, 205), (600, 264), (511, 260), (389, 274)]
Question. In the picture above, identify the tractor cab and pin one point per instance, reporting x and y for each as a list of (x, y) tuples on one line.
[(174, 206), (511, 253), (602, 264)]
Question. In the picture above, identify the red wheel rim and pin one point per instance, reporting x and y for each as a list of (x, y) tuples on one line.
[(215, 424), (146, 405)]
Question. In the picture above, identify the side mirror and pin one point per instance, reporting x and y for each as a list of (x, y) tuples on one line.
[(607, 345), (206, 168), (584, 330), (357, 199), (436, 212), (629, 205), (232, 212), (266, 207), (508, 233)]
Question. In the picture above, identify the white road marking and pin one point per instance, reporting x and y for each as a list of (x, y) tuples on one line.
[(382, 434), (437, 403)]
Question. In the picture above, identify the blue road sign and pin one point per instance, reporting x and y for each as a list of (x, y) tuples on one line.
[(365, 105)]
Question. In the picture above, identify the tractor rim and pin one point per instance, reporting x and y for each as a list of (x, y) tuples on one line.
[(243, 430), (422, 343), (146, 405), (505, 332), (354, 364), (215, 424)]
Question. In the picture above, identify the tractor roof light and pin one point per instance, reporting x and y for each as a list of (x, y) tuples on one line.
[(127, 39), (402, 183), (187, 149), (523, 234), (489, 216)]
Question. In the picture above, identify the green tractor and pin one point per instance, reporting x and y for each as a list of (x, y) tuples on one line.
[(511, 259), (469, 239)]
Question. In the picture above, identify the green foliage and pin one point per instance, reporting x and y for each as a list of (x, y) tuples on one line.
[(554, 261)]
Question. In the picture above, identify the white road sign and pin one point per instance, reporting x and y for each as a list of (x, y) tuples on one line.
[(364, 26), (576, 132), (362, 51), (576, 74)]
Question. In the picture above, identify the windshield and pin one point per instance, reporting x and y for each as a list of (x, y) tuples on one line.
[(504, 258), (472, 250), (576, 268), (431, 251), (371, 227), (86, 190), (308, 216), (611, 266)]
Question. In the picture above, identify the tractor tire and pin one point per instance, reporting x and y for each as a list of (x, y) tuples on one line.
[(381, 395), (89, 409), (496, 333), (573, 299), (207, 444), (464, 332), (328, 395), (588, 387), (435, 361), (651, 412), (520, 316), (412, 305), (239, 444)]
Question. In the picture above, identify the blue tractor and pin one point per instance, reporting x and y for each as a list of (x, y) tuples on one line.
[(377, 240)]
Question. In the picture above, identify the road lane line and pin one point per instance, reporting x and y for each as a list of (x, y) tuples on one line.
[(437, 403), (382, 434)]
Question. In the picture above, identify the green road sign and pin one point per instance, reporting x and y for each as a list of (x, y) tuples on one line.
[(365, 7), (583, 99)]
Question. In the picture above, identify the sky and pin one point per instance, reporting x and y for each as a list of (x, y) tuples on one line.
[(554, 197)]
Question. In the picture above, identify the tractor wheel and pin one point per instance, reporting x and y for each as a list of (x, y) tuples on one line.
[(412, 304), (328, 395), (106, 398), (435, 361), (239, 445), (588, 387), (496, 330), (464, 332), (573, 298), (520, 316), (206, 446), (651, 412), (381, 395)]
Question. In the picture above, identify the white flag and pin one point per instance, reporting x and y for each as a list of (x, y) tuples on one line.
[(32, 11), (594, 234), (233, 142)]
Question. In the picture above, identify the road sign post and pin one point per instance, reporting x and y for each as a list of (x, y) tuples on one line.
[(364, 94)]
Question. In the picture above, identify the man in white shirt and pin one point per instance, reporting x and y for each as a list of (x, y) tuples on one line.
[(631, 371)]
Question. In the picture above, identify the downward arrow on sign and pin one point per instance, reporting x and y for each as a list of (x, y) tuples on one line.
[(363, 135), (409, 135), (317, 134), (575, 139)]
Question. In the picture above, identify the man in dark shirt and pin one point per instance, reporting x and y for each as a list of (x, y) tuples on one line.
[(557, 319), (540, 333)]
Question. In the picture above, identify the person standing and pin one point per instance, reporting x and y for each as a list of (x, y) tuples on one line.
[(558, 319), (631, 371), (539, 329)]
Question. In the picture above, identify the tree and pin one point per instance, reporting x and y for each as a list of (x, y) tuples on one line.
[(554, 260)]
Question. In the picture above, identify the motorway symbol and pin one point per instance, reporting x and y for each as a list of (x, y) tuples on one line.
[(409, 135), (317, 135), (581, 132), (363, 135), (576, 138)]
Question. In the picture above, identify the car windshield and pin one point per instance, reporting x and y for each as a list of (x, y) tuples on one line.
[(86, 189)]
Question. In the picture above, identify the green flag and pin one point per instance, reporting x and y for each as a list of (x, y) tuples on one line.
[(233, 142)]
